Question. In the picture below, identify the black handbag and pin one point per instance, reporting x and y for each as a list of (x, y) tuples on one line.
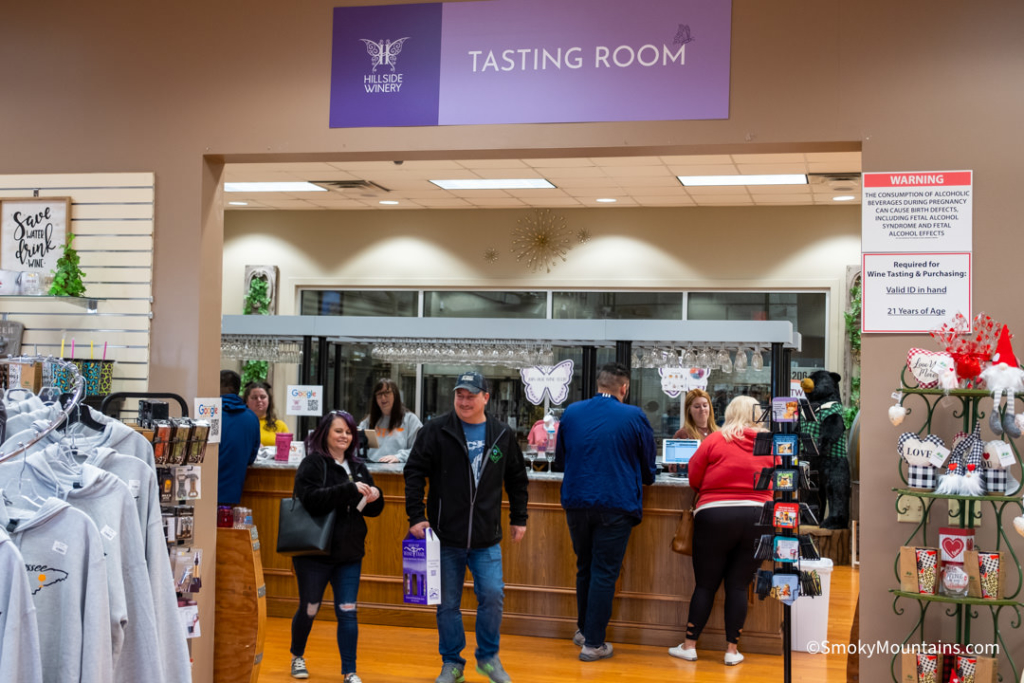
[(300, 533)]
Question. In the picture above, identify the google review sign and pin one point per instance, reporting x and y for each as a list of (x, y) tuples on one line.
[(305, 399)]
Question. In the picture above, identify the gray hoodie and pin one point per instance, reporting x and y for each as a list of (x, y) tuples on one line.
[(67, 576), (393, 441), (115, 435), (108, 502), (19, 634), (141, 480)]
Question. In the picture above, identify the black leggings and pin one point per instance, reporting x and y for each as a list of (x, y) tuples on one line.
[(723, 549)]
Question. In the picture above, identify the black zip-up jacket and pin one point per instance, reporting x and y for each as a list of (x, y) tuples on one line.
[(339, 492), (460, 512)]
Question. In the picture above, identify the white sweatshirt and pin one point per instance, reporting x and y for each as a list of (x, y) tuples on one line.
[(393, 441), (67, 575), (141, 479), (108, 502), (115, 435), (19, 635)]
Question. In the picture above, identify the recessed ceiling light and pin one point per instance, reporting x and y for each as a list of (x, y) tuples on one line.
[(495, 184), (389, 202), (273, 187), (844, 198), (712, 180), (239, 203), (607, 200)]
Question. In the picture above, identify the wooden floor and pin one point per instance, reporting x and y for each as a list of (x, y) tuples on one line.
[(405, 655)]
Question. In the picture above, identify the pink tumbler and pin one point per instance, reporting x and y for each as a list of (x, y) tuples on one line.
[(284, 444)]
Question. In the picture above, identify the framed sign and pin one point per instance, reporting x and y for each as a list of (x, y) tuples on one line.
[(33, 232)]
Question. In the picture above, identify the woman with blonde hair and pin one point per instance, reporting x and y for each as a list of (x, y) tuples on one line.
[(698, 416), (722, 476)]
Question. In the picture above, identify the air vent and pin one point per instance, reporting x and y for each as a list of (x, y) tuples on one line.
[(353, 188), (837, 182)]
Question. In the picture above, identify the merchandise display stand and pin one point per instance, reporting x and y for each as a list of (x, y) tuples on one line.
[(782, 542), (964, 610)]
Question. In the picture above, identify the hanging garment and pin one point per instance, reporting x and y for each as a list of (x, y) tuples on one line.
[(108, 502), (142, 483), (19, 634), (115, 435), (67, 575)]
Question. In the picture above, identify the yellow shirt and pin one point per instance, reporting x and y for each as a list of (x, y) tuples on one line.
[(269, 438)]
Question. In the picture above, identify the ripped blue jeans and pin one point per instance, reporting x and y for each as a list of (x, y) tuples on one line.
[(313, 576)]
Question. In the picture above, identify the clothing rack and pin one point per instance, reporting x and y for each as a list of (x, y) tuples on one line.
[(74, 404)]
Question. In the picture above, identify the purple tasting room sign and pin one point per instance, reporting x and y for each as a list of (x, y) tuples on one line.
[(530, 61)]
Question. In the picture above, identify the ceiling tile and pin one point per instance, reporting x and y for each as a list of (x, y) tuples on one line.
[(834, 167), (665, 200), (767, 169), (697, 160), (495, 201), (560, 201), (783, 199), (723, 200), (703, 169), (627, 161), (508, 173), (658, 171), (444, 202), (555, 173), (538, 193), (613, 191), (663, 182), (570, 162), (792, 158), (492, 163), (717, 190)]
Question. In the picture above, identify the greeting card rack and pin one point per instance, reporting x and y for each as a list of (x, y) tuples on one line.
[(967, 408), (782, 543)]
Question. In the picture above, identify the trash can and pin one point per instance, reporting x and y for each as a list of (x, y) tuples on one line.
[(810, 615)]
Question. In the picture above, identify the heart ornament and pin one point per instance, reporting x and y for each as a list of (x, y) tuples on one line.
[(952, 547), (953, 542), (918, 451), (921, 364)]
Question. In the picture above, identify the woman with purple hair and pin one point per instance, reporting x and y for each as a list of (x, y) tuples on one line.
[(333, 477)]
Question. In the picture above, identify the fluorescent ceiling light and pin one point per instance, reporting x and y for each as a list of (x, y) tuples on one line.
[(239, 203), (389, 202), (713, 180), (606, 200), (495, 184), (273, 187), (844, 198)]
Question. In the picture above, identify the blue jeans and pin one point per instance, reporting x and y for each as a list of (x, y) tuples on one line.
[(485, 565), (599, 540), (313, 576)]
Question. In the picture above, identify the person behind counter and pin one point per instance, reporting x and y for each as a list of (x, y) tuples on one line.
[(722, 475), (330, 477), (386, 409), (259, 398), (239, 440), (698, 416)]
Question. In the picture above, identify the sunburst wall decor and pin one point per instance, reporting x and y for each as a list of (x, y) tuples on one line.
[(582, 235), (490, 254), (541, 239)]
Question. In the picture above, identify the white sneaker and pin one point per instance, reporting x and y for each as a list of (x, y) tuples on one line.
[(733, 658), (680, 652)]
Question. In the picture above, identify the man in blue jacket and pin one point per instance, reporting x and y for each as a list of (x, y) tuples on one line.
[(239, 440), (606, 449)]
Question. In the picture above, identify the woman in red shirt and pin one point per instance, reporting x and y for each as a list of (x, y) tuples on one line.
[(722, 474)]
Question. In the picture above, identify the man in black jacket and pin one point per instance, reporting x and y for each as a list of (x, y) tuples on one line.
[(467, 456)]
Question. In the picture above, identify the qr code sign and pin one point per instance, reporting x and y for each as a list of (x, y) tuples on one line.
[(314, 404)]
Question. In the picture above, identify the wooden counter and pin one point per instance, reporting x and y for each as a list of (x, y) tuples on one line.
[(652, 597)]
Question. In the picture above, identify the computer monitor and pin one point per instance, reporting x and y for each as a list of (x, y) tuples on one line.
[(678, 451)]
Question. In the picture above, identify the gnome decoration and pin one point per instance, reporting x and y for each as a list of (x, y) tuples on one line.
[(1005, 374), (963, 472)]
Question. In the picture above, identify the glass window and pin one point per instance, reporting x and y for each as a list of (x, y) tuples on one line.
[(806, 310), (451, 304), (401, 303), (359, 372), (617, 305)]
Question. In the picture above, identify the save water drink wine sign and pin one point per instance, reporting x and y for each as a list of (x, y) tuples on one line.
[(32, 233)]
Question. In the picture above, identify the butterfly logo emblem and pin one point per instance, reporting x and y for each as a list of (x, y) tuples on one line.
[(384, 52), (683, 35), (552, 380)]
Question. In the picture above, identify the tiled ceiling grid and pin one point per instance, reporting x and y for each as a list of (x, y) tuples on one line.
[(648, 181)]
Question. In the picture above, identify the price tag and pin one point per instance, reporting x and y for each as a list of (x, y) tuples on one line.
[(938, 456)]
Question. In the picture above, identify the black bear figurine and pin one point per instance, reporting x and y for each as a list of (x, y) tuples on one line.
[(832, 464)]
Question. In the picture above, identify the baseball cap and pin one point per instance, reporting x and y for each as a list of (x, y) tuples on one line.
[(472, 381)]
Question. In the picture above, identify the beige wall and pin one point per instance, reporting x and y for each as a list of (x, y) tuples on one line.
[(118, 86)]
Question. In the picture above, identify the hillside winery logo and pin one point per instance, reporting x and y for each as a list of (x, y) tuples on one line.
[(383, 53)]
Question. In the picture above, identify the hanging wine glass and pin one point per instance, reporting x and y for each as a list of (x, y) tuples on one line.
[(704, 359), (740, 365), (724, 361), (689, 359), (756, 359)]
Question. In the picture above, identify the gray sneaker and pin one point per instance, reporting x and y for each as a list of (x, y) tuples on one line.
[(450, 673), (577, 639), (493, 670), (299, 668), (592, 654)]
